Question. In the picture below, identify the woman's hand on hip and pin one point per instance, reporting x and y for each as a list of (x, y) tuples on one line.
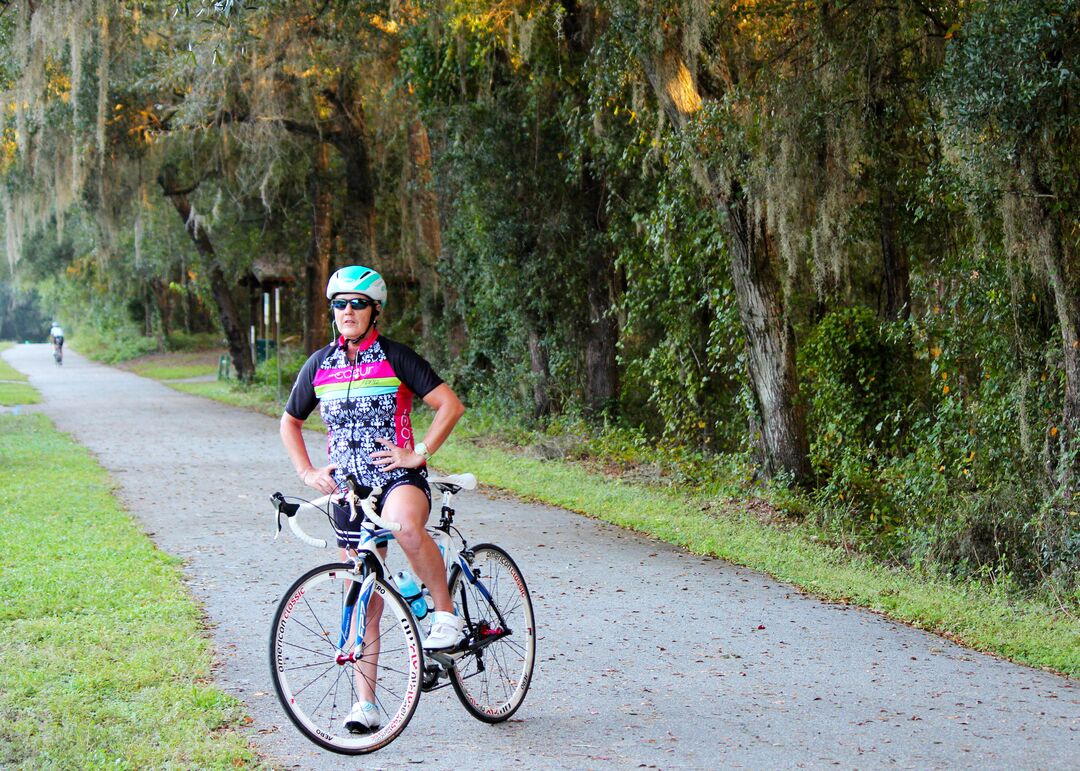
[(392, 456)]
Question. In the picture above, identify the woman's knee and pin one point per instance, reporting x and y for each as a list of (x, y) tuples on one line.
[(407, 506)]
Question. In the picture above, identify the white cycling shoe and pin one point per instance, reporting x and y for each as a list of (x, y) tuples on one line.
[(363, 719), (447, 630)]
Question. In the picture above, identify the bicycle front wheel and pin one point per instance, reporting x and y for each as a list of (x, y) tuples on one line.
[(493, 676), (331, 648)]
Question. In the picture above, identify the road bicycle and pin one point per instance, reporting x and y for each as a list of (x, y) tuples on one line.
[(344, 631), (58, 353)]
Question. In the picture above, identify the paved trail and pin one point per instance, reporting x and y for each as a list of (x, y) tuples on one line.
[(648, 657)]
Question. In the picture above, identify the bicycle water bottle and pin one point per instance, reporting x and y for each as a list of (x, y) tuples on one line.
[(412, 593), (442, 540)]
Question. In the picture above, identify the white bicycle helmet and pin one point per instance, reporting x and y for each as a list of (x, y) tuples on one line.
[(357, 278)]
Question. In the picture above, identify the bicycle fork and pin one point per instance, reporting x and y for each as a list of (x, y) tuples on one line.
[(354, 617)]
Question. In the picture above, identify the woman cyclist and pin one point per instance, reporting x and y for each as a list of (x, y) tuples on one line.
[(363, 384)]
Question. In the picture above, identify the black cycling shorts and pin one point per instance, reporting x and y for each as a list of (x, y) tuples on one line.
[(348, 533)]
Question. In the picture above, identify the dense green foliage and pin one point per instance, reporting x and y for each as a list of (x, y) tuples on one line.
[(834, 243)]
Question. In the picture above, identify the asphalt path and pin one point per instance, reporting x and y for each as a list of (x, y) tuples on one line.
[(648, 657)]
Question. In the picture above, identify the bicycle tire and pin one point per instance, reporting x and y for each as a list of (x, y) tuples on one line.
[(493, 676), (315, 687)]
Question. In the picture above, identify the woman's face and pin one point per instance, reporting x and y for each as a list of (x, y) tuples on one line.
[(352, 322)]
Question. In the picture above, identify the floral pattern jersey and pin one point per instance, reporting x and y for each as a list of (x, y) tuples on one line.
[(361, 400)]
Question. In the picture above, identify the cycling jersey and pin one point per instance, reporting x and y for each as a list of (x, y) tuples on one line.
[(361, 400)]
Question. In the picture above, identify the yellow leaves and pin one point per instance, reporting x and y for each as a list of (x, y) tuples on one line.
[(9, 148), (944, 375), (935, 351), (1053, 430), (389, 26), (941, 468), (971, 456), (945, 390), (701, 424)]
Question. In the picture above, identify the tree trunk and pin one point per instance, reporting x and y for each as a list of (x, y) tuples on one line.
[(358, 224), (1062, 271), (423, 206), (162, 296), (1064, 280), (769, 336), (317, 273), (770, 343), (426, 205), (541, 374), (894, 257), (602, 328), (229, 316), (601, 367)]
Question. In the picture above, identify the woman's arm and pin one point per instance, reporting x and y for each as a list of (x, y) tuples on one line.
[(448, 410), (293, 439)]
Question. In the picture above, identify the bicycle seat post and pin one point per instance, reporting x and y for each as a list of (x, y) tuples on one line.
[(447, 512)]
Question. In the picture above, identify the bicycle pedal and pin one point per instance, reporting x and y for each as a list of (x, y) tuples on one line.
[(431, 677), (448, 657)]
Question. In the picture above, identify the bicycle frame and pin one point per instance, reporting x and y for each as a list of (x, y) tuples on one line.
[(368, 562), (368, 559)]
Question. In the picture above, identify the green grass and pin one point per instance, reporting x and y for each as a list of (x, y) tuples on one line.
[(253, 397), (104, 660), (174, 371), (13, 386), (175, 366), (970, 613)]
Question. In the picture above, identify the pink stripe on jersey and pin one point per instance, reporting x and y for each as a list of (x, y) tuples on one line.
[(402, 421), (378, 369)]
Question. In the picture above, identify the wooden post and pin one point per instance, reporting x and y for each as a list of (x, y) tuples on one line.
[(277, 337)]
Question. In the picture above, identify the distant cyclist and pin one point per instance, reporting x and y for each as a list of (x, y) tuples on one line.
[(56, 334), (363, 384)]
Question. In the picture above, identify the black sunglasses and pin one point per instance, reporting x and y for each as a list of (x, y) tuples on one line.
[(356, 303)]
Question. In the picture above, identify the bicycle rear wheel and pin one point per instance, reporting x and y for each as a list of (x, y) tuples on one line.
[(493, 676), (318, 673)]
